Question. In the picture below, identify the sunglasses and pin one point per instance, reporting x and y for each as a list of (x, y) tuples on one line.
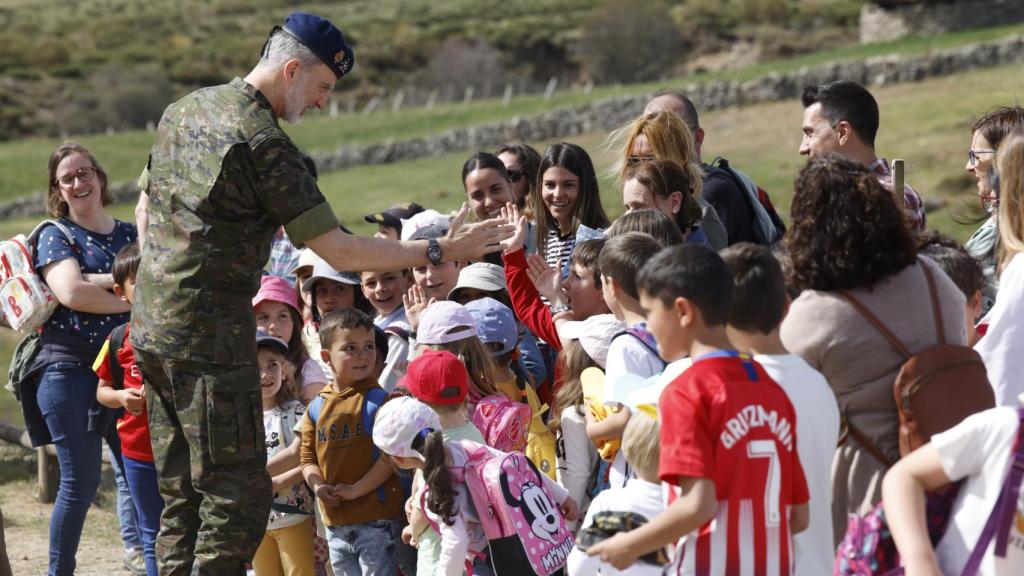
[(83, 175), (515, 175), (638, 159)]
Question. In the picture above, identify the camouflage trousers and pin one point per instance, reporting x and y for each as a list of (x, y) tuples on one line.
[(206, 421)]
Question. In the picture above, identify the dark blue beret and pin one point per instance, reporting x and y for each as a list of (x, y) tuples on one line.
[(323, 39)]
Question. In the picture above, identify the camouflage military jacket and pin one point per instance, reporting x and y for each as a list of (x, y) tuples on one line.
[(223, 176)]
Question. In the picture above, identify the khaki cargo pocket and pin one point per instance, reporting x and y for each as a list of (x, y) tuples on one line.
[(234, 422)]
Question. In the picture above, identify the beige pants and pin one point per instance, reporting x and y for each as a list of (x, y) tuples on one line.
[(286, 551)]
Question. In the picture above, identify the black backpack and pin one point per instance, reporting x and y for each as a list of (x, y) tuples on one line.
[(767, 230), (102, 420)]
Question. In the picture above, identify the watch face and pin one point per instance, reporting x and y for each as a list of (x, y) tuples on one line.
[(434, 253)]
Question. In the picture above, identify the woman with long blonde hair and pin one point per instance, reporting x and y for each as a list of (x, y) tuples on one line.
[(663, 136), (1002, 348)]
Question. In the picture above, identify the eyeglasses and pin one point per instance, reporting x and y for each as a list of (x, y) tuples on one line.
[(83, 175), (638, 159), (515, 175), (972, 155)]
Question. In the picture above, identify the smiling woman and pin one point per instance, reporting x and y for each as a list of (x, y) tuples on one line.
[(76, 265), (487, 184)]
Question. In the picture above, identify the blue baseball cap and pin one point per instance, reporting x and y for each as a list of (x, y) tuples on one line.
[(323, 39), (495, 323)]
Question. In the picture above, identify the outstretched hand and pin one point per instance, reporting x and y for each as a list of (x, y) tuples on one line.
[(467, 242), (546, 279), (510, 215)]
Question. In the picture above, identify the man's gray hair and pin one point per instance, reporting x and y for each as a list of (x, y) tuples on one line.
[(283, 47)]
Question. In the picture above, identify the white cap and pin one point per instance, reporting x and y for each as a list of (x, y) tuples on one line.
[(424, 221), (399, 422), (595, 334), (306, 258)]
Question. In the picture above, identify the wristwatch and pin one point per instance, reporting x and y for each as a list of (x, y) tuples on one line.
[(559, 308), (434, 251)]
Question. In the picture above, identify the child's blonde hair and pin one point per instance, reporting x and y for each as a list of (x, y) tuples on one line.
[(641, 444), (574, 360), (1010, 163), (478, 361)]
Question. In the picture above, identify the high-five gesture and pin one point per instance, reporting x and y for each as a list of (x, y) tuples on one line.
[(467, 242), (546, 279), (511, 217)]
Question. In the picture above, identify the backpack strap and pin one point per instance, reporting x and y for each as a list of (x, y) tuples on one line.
[(314, 408), (117, 336), (375, 397), (1001, 518), (874, 321), (933, 293), (849, 430), (645, 338), (33, 237), (398, 331)]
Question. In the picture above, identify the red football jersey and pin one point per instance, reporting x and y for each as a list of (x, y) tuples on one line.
[(726, 420), (133, 430)]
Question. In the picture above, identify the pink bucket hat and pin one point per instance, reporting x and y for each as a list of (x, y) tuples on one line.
[(276, 289)]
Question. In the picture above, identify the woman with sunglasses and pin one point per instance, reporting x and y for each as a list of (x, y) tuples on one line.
[(76, 263), (664, 136), (521, 161)]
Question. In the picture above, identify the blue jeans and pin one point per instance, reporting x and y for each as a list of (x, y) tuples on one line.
[(145, 492), (64, 394), (367, 549), (127, 518)]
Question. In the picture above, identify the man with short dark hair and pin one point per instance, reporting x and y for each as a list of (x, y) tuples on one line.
[(842, 117), (720, 188)]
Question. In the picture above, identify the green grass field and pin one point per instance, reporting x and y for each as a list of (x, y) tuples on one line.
[(23, 163), (925, 123)]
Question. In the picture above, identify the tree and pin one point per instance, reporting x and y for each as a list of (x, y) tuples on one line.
[(628, 41)]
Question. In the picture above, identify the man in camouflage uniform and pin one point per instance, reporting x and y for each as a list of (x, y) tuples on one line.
[(223, 176)]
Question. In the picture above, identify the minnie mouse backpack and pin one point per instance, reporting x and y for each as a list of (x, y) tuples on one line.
[(525, 529)]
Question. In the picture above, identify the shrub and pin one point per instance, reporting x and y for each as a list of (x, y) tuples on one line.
[(628, 40)]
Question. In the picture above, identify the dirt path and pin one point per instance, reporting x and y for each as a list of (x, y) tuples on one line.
[(26, 522)]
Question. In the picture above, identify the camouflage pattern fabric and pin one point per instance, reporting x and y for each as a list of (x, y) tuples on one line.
[(222, 177), (206, 422), (609, 523)]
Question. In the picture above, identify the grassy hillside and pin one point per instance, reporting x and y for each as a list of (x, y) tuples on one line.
[(23, 162), (925, 123)]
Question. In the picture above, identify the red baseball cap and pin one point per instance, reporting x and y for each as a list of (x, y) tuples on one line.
[(437, 377)]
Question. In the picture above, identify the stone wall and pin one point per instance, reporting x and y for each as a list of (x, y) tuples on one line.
[(878, 24), (608, 114)]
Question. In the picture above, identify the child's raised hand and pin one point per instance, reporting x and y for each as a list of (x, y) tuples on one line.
[(133, 400), (510, 214), (415, 303), (546, 279), (570, 509), (325, 492)]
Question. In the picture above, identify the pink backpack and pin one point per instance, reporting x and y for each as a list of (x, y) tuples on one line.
[(525, 529), (503, 422)]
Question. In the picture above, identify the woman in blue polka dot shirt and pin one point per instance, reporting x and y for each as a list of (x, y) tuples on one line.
[(77, 270)]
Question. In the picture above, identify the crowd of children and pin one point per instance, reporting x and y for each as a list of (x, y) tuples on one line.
[(600, 397)]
